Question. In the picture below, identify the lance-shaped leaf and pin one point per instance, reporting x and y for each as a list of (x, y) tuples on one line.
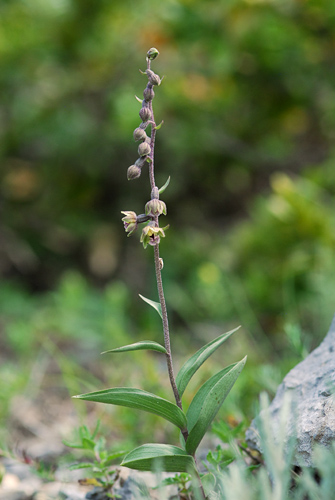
[(141, 400), (167, 457), (139, 346), (189, 368), (152, 303), (162, 189), (197, 402), (208, 401)]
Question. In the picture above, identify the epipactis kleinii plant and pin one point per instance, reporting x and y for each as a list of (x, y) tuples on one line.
[(194, 423)]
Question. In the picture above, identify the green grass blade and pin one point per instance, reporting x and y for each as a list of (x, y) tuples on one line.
[(139, 346), (189, 368), (141, 400), (152, 303), (167, 457), (208, 401)]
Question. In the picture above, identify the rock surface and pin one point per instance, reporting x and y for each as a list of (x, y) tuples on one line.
[(20, 482), (311, 388)]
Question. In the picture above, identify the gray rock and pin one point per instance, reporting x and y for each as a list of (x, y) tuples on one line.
[(311, 388), (135, 485)]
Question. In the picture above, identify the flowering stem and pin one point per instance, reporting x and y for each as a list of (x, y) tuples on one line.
[(152, 143), (158, 272)]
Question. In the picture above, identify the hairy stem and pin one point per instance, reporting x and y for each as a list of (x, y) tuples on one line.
[(159, 275), (166, 332), (152, 142), (159, 281)]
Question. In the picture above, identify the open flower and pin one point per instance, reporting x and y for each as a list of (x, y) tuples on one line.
[(151, 234), (129, 222)]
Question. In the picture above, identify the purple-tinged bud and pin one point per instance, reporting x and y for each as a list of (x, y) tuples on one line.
[(148, 93), (155, 207), (152, 53), (152, 77), (145, 114), (144, 149), (139, 134), (155, 193), (133, 172)]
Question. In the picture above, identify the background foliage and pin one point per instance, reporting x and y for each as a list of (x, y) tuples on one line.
[(248, 139)]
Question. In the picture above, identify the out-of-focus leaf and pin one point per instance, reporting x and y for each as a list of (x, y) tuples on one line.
[(208, 482), (113, 456), (82, 465)]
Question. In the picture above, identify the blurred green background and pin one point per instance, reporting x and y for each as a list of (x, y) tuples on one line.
[(248, 103)]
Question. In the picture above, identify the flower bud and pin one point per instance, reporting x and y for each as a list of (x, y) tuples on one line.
[(145, 114), (155, 207), (139, 134), (153, 78), (133, 172), (152, 53), (148, 93), (144, 149)]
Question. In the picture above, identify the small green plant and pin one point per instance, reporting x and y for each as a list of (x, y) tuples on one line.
[(183, 483), (99, 459), (194, 423)]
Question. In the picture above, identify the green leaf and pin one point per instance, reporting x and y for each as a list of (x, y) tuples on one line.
[(197, 402), (189, 368), (141, 400), (111, 457), (162, 189), (79, 446), (207, 402), (152, 303), (88, 444), (82, 465), (97, 427), (208, 482), (169, 458), (138, 346), (159, 126)]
